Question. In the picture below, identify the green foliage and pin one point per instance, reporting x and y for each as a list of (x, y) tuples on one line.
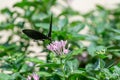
[(98, 61)]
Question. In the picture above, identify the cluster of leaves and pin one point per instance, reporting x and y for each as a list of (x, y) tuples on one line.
[(101, 62)]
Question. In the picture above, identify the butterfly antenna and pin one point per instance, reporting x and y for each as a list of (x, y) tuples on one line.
[(50, 28)]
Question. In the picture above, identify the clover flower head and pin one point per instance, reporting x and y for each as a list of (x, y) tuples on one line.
[(33, 77), (29, 78), (58, 47)]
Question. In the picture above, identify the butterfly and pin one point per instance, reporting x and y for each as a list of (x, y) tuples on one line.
[(36, 35)]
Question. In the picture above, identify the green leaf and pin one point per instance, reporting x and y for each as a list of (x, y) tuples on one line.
[(22, 4), (91, 78), (101, 52), (17, 75), (7, 26), (24, 68), (77, 72), (76, 52), (46, 26), (20, 59), (100, 64), (71, 66), (5, 76), (91, 50), (6, 11), (115, 30), (116, 70), (49, 65), (35, 60), (44, 74), (59, 73), (92, 38), (116, 37), (99, 48), (73, 53), (38, 17), (78, 36), (100, 28), (89, 67), (77, 28), (107, 73), (100, 7), (62, 23), (2, 48)]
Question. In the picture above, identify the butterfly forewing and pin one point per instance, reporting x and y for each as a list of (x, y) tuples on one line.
[(50, 28), (35, 34)]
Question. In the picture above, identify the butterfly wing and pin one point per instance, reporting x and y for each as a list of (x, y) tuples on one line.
[(35, 34), (50, 28)]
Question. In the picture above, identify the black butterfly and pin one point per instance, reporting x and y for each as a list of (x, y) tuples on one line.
[(38, 35)]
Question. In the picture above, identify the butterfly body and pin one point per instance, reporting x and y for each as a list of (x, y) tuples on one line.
[(36, 35)]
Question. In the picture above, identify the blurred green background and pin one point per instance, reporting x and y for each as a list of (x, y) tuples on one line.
[(101, 26)]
